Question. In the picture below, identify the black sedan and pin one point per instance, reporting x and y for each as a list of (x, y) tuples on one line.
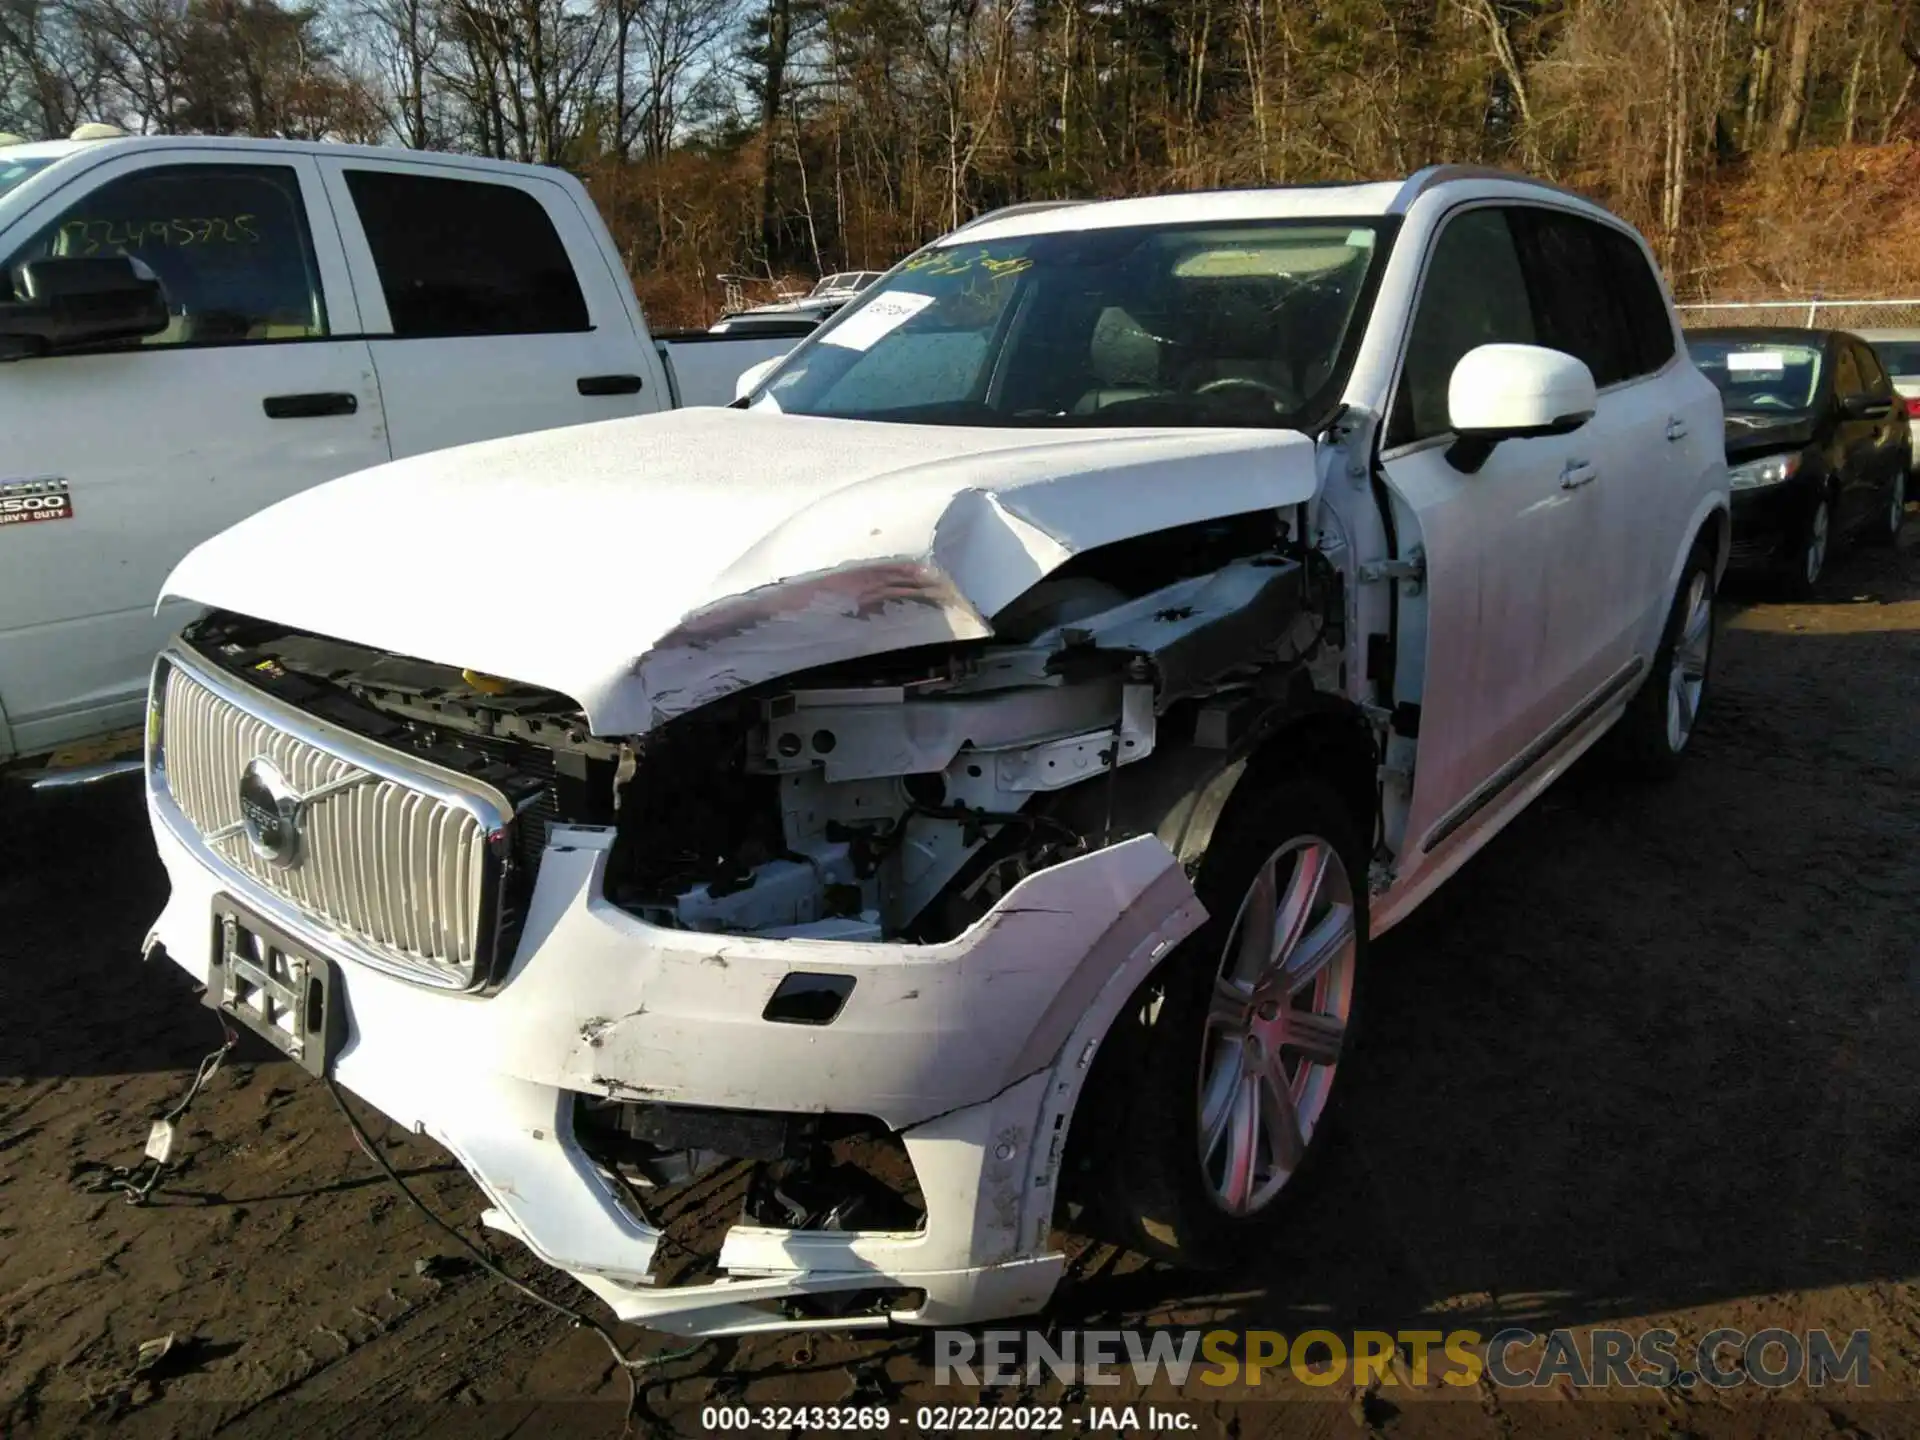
[(1818, 445)]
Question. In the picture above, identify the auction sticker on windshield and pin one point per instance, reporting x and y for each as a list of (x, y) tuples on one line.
[(875, 320), (1764, 361), (45, 498)]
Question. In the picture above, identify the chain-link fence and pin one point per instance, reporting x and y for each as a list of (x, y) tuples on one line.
[(1814, 314)]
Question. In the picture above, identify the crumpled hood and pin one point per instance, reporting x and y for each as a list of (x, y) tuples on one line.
[(646, 566)]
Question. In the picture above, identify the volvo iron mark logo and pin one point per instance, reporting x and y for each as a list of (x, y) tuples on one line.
[(273, 814), (270, 812)]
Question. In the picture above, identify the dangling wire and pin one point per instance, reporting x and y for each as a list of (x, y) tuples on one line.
[(138, 1182), (632, 1367)]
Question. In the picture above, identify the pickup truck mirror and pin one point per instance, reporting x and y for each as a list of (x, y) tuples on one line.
[(1865, 407), (1515, 392), (68, 301), (751, 377)]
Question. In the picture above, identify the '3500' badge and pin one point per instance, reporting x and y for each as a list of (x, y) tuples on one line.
[(22, 501)]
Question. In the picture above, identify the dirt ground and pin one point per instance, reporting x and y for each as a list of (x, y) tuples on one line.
[(1651, 1059)]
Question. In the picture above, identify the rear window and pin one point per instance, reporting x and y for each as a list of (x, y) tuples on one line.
[(1576, 293), (461, 257), (1642, 300)]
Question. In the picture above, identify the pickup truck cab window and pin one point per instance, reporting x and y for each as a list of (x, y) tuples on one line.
[(13, 172), (230, 243), (458, 257), (1191, 325)]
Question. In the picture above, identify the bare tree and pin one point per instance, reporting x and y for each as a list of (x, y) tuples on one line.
[(1801, 23), (403, 38)]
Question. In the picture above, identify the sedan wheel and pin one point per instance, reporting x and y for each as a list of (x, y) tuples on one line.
[(1692, 650), (1282, 1000), (1813, 559)]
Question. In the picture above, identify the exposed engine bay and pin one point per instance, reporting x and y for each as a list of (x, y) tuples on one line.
[(896, 797)]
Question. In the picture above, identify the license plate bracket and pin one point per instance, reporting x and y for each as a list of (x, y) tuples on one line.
[(276, 987)]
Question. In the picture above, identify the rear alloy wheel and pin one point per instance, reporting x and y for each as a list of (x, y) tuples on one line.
[(1217, 1088), (1888, 531), (1659, 721), (1692, 652)]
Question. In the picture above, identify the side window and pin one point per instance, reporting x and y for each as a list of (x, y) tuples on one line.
[(1642, 299), (465, 257), (228, 242), (1473, 294), (1846, 371), (1876, 379), (1570, 277)]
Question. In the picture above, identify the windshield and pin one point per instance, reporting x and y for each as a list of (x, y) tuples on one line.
[(1225, 325), (12, 172), (1901, 357), (1759, 376)]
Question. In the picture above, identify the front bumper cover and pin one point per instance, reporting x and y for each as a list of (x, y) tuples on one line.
[(974, 1050)]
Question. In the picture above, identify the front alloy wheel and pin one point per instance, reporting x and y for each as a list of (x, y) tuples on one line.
[(1813, 556), (1277, 1024), (1212, 1104)]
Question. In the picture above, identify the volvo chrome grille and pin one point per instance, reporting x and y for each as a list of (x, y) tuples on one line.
[(396, 865)]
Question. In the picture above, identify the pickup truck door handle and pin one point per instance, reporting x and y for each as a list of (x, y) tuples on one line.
[(1676, 429), (1578, 473), (309, 407), (608, 384)]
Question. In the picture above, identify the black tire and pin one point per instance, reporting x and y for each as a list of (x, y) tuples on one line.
[(1146, 1183), (1800, 576), (1886, 531), (1644, 738)]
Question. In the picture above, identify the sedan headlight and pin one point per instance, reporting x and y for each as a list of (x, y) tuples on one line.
[(1759, 474)]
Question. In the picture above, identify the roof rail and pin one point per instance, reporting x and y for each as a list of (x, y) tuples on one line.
[(1422, 181), (1026, 207)]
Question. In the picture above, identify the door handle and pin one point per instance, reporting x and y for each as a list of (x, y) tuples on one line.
[(309, 407), (608, 384), (1578, 473), (1676, 429)]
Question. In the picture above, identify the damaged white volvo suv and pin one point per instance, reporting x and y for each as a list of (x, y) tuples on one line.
[(962, 780)]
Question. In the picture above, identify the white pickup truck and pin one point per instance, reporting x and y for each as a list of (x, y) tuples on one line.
[(195, 328), (971, 774)]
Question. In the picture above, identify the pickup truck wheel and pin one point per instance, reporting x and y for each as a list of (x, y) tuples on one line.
[(1242, 1040), (1659, 721)]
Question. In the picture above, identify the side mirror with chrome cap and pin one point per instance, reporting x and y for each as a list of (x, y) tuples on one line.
[(1515, 392)]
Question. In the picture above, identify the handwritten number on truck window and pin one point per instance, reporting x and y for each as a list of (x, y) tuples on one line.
[(93, 237)]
